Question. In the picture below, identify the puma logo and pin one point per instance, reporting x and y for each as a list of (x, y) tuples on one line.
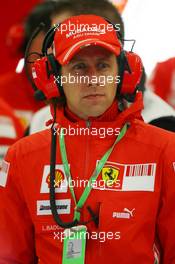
[(128, 211), (126, 214)]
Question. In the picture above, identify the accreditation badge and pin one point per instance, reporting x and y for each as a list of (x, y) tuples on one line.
[(74, 245)]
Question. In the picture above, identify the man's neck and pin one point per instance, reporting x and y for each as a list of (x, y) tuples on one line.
[(109, 115)]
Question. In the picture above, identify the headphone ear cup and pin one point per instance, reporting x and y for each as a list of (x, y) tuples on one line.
[(56, 72), (132, 75), (44, 79)]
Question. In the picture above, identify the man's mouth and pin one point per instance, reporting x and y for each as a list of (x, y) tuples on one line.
[(93, 96)]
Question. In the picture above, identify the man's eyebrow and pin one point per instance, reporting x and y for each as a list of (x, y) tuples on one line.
[(75, 59), (107, 57)]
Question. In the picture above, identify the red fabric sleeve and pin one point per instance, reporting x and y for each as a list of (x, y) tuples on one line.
[(166, 214), (6, 110), (17, 243)]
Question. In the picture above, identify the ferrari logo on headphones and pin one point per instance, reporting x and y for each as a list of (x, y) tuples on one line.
[(110, 175), (59, 177)]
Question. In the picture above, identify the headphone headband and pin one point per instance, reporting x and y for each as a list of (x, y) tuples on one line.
[(48, 40)]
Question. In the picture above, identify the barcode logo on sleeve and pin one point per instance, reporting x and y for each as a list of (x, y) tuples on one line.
[(4, 173)]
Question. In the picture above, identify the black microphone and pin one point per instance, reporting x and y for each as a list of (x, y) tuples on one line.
[(95, 217)]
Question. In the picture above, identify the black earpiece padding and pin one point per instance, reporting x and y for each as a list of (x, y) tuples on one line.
[(122, 62), (56, 70)]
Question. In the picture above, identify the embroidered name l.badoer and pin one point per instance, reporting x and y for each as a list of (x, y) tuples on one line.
[(61, 185), (4, 169), (44, 208), (126, 177)]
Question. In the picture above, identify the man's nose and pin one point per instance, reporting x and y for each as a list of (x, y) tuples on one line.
[(92, 71), (93, 76)]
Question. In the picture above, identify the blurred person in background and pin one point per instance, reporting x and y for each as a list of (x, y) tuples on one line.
[(15, 88), (11, 128), (162, 81), (156, 111), (12, 27), (17, 102)]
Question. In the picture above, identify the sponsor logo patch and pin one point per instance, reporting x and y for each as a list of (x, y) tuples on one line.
[(126, 214), (59, 178), (110, 175), (61, 184), (126, 177), (4, 173), (44, 208)]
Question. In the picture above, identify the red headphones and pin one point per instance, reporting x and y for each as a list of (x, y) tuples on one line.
[(45, 72)]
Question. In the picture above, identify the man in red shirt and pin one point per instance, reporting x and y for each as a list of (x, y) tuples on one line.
[(162, 81), (127, 202)]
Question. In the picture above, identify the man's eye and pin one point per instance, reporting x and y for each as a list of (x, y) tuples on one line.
[(79, 66), (103, 65)]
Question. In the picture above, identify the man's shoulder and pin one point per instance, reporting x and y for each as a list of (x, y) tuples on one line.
[(32, 144), (153, 136)]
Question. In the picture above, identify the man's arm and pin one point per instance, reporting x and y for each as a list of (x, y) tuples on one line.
[(16, 229), (166, 215)]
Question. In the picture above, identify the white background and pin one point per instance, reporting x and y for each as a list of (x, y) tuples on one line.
[(152, 24)]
